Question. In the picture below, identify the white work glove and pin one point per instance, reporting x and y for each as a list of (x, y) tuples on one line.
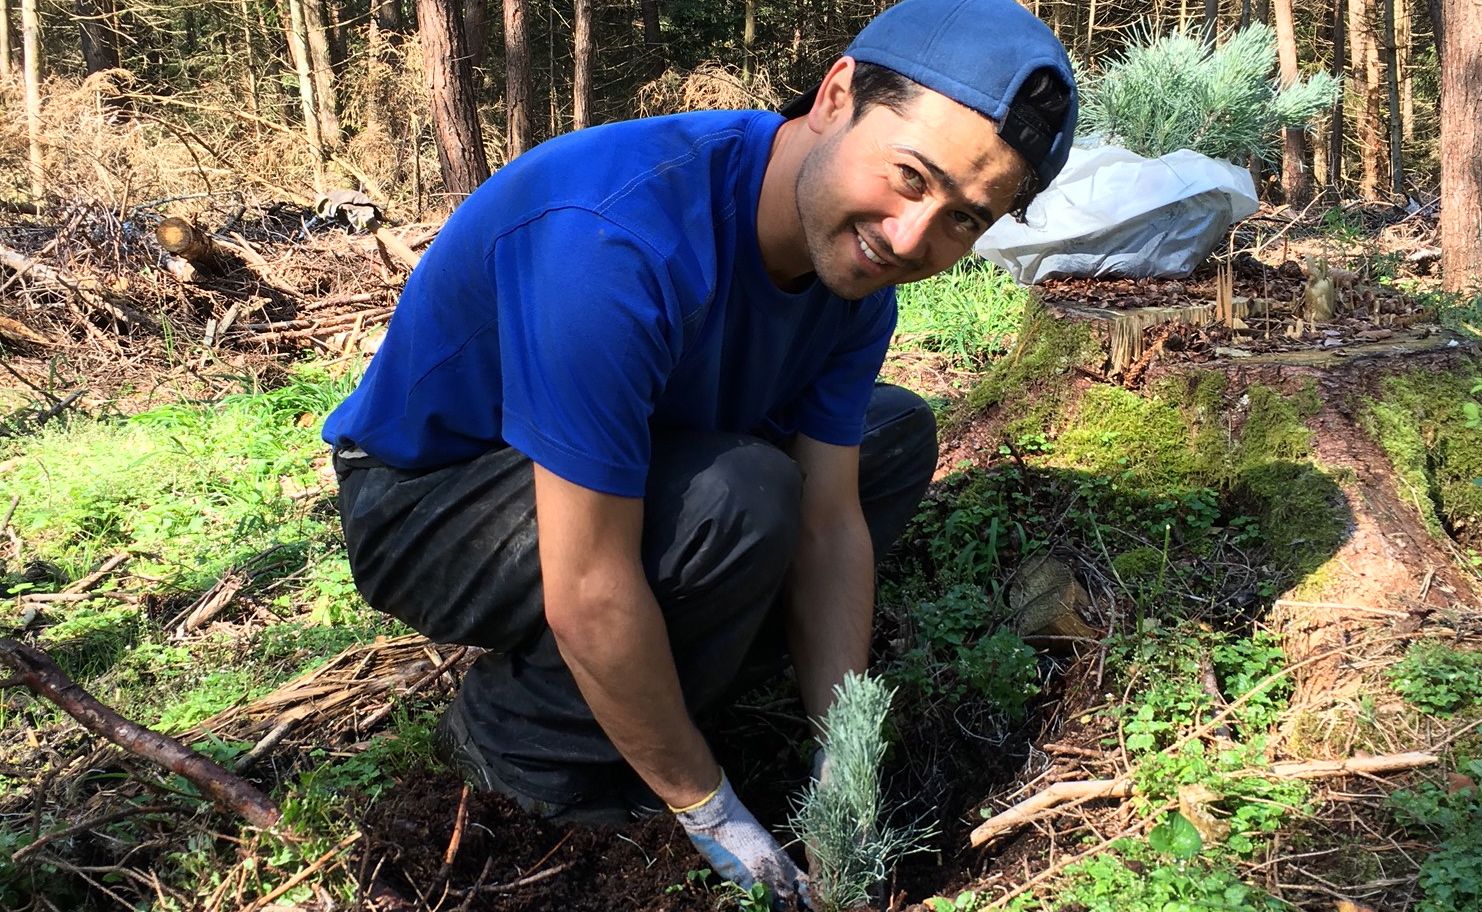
[(740, 849)]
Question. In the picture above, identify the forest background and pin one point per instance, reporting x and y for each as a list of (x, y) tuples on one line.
[(416, 102)]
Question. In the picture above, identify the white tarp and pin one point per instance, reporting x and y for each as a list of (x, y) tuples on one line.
[(1112, 212)]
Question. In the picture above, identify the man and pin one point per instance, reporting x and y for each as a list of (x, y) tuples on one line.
[(624, 430)]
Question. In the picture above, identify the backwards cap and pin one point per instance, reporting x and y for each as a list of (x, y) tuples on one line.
[(981, 54)]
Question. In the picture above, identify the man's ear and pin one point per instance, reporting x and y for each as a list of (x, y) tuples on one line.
[(834, 104)]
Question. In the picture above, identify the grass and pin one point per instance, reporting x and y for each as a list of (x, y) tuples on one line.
[(192, 492), (968, 314)]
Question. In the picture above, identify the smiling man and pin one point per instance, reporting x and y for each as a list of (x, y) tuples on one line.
[(624, 431)]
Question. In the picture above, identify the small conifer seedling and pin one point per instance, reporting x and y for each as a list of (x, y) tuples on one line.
[(838, 818)]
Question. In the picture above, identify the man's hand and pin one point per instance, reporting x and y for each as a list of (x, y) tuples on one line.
[(740, 849)]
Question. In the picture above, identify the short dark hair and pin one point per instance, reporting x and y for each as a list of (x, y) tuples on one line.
[(877, 86)]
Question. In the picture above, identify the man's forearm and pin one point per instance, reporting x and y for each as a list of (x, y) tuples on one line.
[(617, 648), (830, 607)]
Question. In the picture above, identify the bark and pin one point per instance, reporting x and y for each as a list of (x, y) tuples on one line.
[(1211, 23), (6, 63), (321, 64), (388, 16), (748, 42), (1404, 36), (519, 89), (460, 143), (1296, 182), (1392, 78), (1461, 138), (1364, 77), (298, 50), (1335, 122), (39, 674), (31, 42), (476, 29), (99, 50), (651, 38), (249, 63), (581, 73)]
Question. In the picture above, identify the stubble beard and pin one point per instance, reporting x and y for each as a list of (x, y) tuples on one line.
[(836, 272)]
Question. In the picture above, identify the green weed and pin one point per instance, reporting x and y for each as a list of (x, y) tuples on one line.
[(1438, 679), (1450, 876)]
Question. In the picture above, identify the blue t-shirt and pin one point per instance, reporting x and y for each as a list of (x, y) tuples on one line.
[(606, 284)]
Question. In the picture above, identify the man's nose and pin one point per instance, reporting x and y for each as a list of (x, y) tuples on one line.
[(909, 230)]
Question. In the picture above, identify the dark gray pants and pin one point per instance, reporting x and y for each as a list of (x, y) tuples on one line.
[(452, 552)]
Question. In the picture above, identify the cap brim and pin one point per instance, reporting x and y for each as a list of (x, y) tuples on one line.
[(800, 105)]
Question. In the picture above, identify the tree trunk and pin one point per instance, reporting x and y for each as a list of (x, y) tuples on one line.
[(31, 48), (1404, 37), (581, 68), (1461, 137), (298, 49), (519, 90), (651, 37), (460, 143), (476, 29), (249, 63), (748, 42), (99, 50), (1335, 125), (1296, 182), (1392, 74), (1364, 76), (1211, 24), (322, 65), (388, 16), (7, 64)]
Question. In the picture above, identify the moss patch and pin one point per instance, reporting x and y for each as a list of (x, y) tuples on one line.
[(1113, 431), (1421, 421), (1047, 348)]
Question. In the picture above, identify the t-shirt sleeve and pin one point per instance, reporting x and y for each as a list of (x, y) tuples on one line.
[(832, 408), (587, 337)]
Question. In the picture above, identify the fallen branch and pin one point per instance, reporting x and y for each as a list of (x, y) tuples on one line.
[(1047, 802), (92, 579), (38, 673)]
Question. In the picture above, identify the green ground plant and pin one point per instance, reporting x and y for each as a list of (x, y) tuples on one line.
[(1438, 679), (1450, 876), (968, 313)]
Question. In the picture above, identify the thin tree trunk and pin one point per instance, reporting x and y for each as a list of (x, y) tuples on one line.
[(651, 38), (748, 42), (476, 29), (31, 48), (519, 90), (1335, 125), (1461, 136), (375, 76), (1364, 75), (249, 64), (1296, 182), (322, 65), (1404, 36), (1396, 128), (460, 142), (6, 63), (99, 50), (388, 16), (1211, 25), (298, 49), (581, 68)]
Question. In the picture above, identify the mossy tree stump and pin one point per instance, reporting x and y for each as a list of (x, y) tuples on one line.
[(1358, 464)]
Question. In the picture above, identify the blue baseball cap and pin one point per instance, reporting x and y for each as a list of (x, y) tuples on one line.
[(993, 56)]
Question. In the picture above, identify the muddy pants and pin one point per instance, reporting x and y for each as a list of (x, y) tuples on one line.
[(452, 552)]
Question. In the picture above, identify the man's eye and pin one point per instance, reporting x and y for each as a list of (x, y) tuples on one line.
[(912, 178), (964, 221)]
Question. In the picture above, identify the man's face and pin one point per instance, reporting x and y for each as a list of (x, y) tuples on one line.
[(897, 197)]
